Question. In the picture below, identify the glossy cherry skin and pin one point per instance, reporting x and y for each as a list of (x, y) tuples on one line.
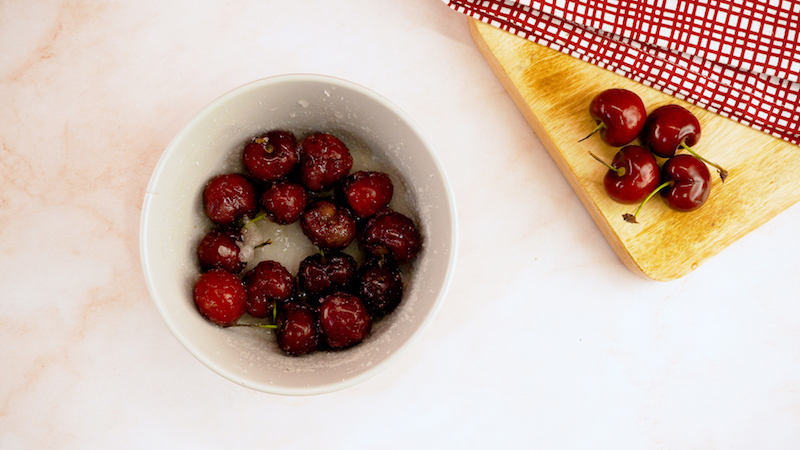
[(298, 331), (285, 202), (344, 320), (667, 127), (691, 182), (220, 297), (367, 192), (328, 225), (641, 175), (324, 161), (228, 197), (267, 283), (220, 249), (380, 286), (621, 112), (391, 234), (319, 274), (272, 156)]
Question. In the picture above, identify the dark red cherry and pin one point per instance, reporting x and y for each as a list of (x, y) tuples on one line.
[(298, 331), (329, 226), (272, 156), (227, 198), (391, 234), (220, 297), (267, 283), (344, 320), (620, 115), (668, 127), (322, 274), (219, 249), (324, 161), (284, 202), (367, 192), (691, 182), (685, 185), (672, 127), (380, 286), (632, 174)]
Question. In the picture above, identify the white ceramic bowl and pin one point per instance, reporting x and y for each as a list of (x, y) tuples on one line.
[(173, 223)]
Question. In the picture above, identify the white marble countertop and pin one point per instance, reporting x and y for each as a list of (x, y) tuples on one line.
[(545, 339)]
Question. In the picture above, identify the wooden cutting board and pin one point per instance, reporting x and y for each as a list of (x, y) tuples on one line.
[(553, 91)]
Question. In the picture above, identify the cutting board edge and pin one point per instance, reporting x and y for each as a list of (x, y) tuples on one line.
[(555, 154)]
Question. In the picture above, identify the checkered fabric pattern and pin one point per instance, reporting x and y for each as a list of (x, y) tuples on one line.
[(737, 58)]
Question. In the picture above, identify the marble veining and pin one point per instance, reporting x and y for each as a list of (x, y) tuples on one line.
[(545, 339)]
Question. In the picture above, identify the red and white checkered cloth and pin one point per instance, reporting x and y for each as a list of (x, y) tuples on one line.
[(737, 58)]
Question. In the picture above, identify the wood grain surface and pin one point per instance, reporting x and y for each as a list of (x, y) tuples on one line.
[(553, 91)]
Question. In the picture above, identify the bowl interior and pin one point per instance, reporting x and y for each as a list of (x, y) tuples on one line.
[(173, 224)]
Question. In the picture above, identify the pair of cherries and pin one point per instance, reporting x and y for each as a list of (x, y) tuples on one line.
[(634, 175)]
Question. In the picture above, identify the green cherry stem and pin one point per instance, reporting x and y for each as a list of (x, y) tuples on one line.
[(631, 218), (254, 219), (255, 325), (722, 172), (620, 170), (599, 126)]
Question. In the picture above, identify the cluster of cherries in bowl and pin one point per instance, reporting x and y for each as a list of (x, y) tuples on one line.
[(634, 175), (332, 301)]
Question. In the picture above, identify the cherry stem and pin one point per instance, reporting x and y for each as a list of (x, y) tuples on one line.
[(255, 325), (596, 129), (254, 219), (722, 172), (620, 170), (268, 242), (631, 218), (273, 326)]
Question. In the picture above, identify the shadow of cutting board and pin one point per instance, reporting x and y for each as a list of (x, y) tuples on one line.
[(553, 91)]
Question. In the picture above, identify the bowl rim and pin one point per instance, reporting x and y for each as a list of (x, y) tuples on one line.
[(158, 172)]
